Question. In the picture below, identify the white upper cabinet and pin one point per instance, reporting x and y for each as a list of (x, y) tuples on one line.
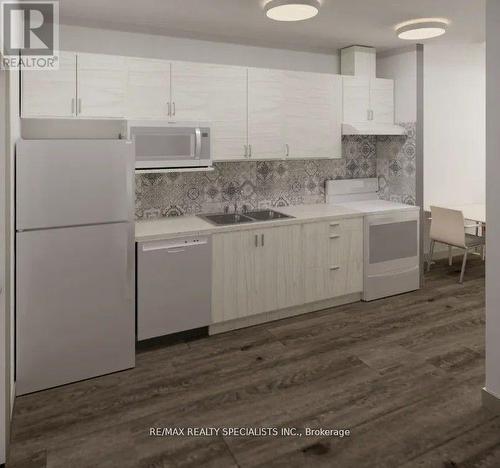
[(148, 89), (101, 85), (382, 100), (368, 100), (50, 93), (254, 113), (216, 94), (266, 113), (356, 99), (313, 115)]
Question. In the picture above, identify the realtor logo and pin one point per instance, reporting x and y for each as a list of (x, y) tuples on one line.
[(30, 35)]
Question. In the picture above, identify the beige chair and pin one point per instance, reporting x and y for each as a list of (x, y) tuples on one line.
[(448, 227)]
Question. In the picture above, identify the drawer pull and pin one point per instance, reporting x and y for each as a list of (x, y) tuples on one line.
[(334, 236), (334, 224), (335, 268)]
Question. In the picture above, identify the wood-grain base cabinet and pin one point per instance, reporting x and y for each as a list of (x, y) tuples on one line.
[(256, 271), (333, 258), (262, 270)]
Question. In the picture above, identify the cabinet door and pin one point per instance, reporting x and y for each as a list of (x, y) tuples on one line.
[(234, 281), (279, 268), (215, 94), (333, 258), (313, 114), (346, 257), (356, 98), (101, 85), (382, 100), (266, 113), (148, 88), (50, 93)]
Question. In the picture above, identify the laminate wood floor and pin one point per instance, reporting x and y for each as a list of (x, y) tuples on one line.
[(404, 374)]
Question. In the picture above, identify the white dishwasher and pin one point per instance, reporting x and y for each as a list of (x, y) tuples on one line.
[(174, 286)]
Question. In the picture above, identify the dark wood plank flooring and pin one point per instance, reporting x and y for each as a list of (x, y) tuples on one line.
[(404, 374)]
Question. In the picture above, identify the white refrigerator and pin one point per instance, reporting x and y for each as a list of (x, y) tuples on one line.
[(75, 261)]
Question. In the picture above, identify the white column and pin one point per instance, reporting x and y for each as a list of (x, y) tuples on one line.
[(491, 394)]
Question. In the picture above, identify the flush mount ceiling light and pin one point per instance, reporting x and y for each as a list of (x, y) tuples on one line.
[(423, 28), (291, 10)]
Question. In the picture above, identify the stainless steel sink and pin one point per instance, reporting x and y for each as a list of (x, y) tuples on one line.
[(226, 218), (266, 215), (249, 217)]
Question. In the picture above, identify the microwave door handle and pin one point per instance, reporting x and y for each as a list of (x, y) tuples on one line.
[(197, 145)]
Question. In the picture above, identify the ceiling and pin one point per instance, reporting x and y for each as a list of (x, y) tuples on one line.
[(340, 22)]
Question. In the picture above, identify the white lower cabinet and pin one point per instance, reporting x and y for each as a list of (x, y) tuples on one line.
[(262, 270), (256, 271), (333, 258)]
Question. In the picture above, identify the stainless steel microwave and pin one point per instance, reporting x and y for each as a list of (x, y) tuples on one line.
[(165, 145)]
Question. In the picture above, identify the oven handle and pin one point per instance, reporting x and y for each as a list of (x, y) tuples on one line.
[(197, 143)]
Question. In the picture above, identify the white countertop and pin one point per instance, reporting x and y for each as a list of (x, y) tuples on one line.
[(377, 206), (167, 228)]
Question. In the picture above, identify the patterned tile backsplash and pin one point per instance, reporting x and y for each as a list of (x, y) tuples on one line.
[(396, 166), (261, 184)]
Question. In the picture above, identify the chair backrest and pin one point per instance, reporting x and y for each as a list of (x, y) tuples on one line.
[(447, 226)]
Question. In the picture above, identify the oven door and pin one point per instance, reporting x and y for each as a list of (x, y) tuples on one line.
[(391, 264), (168, 147)]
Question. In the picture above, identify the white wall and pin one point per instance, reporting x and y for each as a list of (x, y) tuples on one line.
[(493, 198), (401, 66), (454, 124), (171, 48)]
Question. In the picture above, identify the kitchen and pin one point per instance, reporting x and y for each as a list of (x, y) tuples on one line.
[(207, 192)]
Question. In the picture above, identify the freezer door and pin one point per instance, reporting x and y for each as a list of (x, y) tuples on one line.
[(75, 315), (73, 182)]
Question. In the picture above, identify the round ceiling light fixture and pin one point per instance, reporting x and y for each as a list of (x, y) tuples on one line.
[(292, 10), (423, 28)]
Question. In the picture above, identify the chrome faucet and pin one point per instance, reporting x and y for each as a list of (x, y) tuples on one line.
[(226, 209)]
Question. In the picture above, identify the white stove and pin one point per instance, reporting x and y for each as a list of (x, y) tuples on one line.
[(391, 237)]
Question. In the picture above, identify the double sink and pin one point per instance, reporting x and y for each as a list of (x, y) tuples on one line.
[(248, 217)]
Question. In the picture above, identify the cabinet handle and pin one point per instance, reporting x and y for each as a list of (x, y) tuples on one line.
[(249, 151), (168, 109), (262, 240), (334, 224), (72, 106), (335, 268), (287, 148), (334, 236), (79, 105), (173, 108), (256, 240), (246, 151)]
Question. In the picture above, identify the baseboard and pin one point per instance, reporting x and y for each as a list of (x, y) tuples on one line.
[(281, 314), (490, 401)]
